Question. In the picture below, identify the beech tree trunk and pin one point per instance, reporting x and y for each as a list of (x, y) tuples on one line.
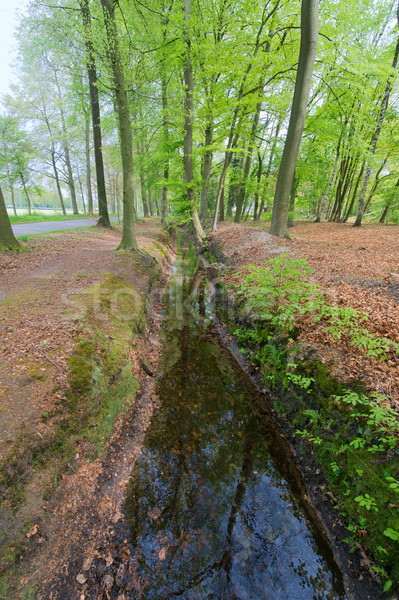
[(65, 144), (95, 117), (188, 128), (26, 192), (88, 171), (307, 55), (8, 242), (57, 179), (248, 159), (206, 171), (125, 128)]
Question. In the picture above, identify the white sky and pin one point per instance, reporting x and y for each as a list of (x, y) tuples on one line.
[(8, 21)]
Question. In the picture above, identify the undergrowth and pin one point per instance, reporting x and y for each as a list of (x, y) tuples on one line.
[(353, 435)]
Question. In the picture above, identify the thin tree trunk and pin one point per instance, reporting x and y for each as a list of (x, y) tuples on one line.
[(81, 192), (188, 127), (9, 175), (164, 90), (65, 144), (128, 241), (383, 108), (291, 208), (95, 116), (353, 198), (247, 166), (307, 55), (269, 166), (258, 180), (88, 170), (8, 242), (221, 211), (57, 179), (206, 171), (26, 192), (328, 190), (389, 203)]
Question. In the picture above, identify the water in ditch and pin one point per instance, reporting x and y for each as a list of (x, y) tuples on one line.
[(215, 502)]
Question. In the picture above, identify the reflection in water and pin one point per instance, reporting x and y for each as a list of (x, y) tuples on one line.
[(211, 512)]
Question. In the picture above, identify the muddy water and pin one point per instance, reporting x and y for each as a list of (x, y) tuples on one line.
[(215, 503)]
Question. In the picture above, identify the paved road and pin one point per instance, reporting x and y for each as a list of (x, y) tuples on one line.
[(48, 226)]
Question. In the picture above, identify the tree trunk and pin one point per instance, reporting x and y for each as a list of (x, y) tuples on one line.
[(65, 144), (389, 203), (164, 90), (221, 211), (247, 166), (383, 108), (9, 175), (81, 192), (307, 55), (125, 128), (57, 179), (353, 198), (88, 171), (206, 171), (95, 116), (328, 190), (291, 208), (188, 128), (269, 166), (26, 192), (258, 180), (8, 242)]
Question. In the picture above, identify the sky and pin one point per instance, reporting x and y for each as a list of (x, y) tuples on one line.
[(8, 21)]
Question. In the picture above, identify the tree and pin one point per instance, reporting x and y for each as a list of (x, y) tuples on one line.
[(128, 241), (95, 115), (188, 128), (8, 242), (307, 55), (373, 145)]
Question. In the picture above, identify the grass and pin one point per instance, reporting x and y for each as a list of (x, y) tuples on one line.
[(38, 218)]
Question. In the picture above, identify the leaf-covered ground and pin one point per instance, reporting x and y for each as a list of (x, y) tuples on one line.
[(355, 267)]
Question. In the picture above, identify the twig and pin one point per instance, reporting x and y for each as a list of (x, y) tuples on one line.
[(47, 358), (38, 433)]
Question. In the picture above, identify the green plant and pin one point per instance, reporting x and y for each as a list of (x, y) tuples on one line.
[(391, 533), (367, 501)]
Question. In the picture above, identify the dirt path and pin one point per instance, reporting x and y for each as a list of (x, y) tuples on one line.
[(55, 497)]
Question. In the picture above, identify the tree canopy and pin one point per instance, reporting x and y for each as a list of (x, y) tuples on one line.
[(132, 59)]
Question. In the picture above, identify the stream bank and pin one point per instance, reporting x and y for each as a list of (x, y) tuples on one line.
[(350, 469)]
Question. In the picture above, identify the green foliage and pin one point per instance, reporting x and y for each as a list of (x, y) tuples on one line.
[(280, 293), (353, 435)]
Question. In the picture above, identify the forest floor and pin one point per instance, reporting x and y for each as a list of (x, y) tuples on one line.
[(73, 312)]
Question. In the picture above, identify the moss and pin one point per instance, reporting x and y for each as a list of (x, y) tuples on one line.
[(36, 372)]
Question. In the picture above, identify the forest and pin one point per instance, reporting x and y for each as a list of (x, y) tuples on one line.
[(175, 109), (199, 394)]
